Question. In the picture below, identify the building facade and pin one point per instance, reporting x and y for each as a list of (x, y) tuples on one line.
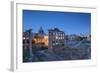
[(57, 40), (40, 38)]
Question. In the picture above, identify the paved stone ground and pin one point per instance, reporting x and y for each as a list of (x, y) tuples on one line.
[(77, 50)]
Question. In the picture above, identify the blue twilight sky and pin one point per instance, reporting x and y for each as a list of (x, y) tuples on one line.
[(69, 22)]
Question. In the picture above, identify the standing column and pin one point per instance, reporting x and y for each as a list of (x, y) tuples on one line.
[(30, 45)]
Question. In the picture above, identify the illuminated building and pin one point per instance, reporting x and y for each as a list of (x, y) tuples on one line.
[(41, 41), (40, 38), (56, 40)]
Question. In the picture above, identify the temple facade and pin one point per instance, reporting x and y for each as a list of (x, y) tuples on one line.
[(27, 45)]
